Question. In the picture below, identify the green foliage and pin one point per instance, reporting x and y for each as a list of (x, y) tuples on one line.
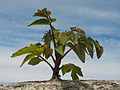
[(34, 61), (47, 52), (42, 13), (25, 50), (75, 70), (40, 22), (27, 58), (33, 49), (63, 38), (57, 45), (60, 49), (47, 38)]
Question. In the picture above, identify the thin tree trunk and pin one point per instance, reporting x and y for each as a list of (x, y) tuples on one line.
[(56, 75)]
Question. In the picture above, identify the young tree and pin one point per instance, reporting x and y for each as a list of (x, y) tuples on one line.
[(57, 45)]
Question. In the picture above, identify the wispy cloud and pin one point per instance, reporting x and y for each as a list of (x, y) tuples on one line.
[(100, 19), (98, 13), (11, 72), (92, 69)]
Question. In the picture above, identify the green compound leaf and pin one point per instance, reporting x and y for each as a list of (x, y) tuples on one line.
[(75, 70), (27, 58), (98, 47), (35, 61), (66, 68), (40, 22)]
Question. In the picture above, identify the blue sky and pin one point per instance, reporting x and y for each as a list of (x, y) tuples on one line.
[(99, 18)]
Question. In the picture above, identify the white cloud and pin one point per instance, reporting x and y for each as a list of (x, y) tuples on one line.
[(103, 30), (11, 72), (106, 68), (97, 13)]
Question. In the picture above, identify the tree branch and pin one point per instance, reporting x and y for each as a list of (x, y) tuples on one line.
[(52, 56), (46, 62), (52, 28), (66, 53), (60, 68)]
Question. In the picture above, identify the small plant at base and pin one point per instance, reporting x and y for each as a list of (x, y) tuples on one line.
[(57, 45)]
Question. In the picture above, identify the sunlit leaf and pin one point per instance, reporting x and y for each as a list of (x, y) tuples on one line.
[(40, 50), (73, 38), (34, 61), (25, 50), (63, 38), (60, 50), (69, 44), (40, 22), (27, 58), (56, 34), (32, 49)]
